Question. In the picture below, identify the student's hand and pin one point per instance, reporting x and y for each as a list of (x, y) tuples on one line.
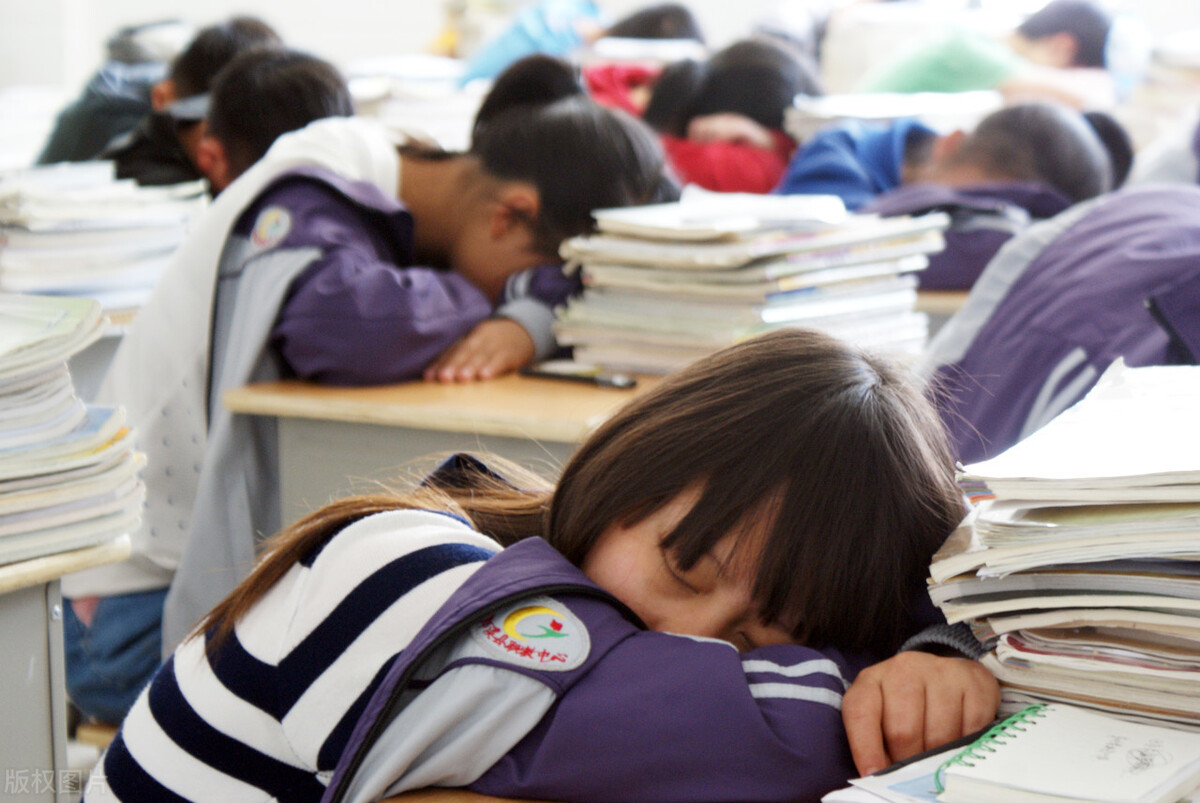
[(494, 347), (914, 702), (729, 127)]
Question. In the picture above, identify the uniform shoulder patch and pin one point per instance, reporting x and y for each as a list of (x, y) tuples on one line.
[(272, 225), (539, 633)]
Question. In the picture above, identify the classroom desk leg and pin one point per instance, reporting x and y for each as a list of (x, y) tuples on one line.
[(34, 731), (321, 460)]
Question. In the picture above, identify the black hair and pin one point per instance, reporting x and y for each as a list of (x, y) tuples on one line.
[(663, 21), (194, 69), (266, 92), (1043, 142), (580, 155), (832, 450), (1116, 141), (531, 81), (757, 78), (671, 98), (1084, 20)]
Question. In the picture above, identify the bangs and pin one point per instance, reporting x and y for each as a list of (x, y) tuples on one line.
[(751, 517)]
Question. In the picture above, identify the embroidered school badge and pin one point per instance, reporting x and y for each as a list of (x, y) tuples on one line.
[(272, 226), (539, 633)]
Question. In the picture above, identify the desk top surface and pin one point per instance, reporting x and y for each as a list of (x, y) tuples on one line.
[(50, 567), (512, 406), (941, 302)]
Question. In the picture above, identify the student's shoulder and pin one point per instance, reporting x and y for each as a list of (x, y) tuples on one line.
[(307, 203), (427, 535)]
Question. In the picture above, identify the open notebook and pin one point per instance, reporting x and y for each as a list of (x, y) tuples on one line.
[(1050, 753)]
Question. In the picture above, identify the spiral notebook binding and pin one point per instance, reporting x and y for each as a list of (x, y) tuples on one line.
[(992, 738)]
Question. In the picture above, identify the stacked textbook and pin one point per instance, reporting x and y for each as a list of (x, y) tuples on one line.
[(68, 471), (1081, 561), (669, 283), (74, 229)]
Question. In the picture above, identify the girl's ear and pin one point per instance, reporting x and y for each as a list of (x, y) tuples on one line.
[(517, 204)]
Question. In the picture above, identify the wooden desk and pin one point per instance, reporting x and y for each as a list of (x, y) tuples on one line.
[(33, 686), (940, 305), (332, 440)]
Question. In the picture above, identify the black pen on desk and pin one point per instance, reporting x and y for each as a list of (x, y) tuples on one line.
[(622, 381)]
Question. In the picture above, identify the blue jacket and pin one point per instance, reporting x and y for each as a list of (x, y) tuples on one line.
[(854, 160)]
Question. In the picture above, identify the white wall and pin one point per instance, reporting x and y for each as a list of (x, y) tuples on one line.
[(60, 42)]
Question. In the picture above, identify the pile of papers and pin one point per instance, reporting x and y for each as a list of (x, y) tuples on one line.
[(669, 283), (1081, 561), (68, 472), (74, 229)]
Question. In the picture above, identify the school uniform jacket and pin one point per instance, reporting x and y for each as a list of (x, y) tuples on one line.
[(407, 653), (301, 264), (983, 217), (1118, 276), (855, 161)]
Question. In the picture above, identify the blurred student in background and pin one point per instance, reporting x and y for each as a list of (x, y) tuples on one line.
[(562, 27), (721, 119), (162, 148), (259, 96), (1021, 163), (1071, 51), (118, 96)]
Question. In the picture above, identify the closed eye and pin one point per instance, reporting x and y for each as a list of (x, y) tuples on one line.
[(676, 574)]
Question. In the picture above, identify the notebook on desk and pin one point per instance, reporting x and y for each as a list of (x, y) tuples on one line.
[(1047, 754), (1050, 753)]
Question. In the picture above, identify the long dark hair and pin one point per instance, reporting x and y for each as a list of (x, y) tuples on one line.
[(836, 446)]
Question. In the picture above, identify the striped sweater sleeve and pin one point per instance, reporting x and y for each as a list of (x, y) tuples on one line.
[(266, 714)]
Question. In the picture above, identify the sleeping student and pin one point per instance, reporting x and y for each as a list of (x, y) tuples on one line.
[(722, 120), (343, 258), (259, 96), (1021, 163), (112, 625), (682, 618), (162, 148)]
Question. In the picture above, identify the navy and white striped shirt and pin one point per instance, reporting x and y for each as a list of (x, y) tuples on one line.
[(267, 715)]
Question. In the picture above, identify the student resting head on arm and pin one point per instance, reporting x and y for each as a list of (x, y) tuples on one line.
[(163, 147), (1021, 163), (722, 120), (343, 258), (258, 97), (682, 618)]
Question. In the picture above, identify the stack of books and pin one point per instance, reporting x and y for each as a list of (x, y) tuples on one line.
[(669, 283), (74, 229), (68, 471), (1080, 563)]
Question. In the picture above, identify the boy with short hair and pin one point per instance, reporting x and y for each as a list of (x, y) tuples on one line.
[(162, 148)]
